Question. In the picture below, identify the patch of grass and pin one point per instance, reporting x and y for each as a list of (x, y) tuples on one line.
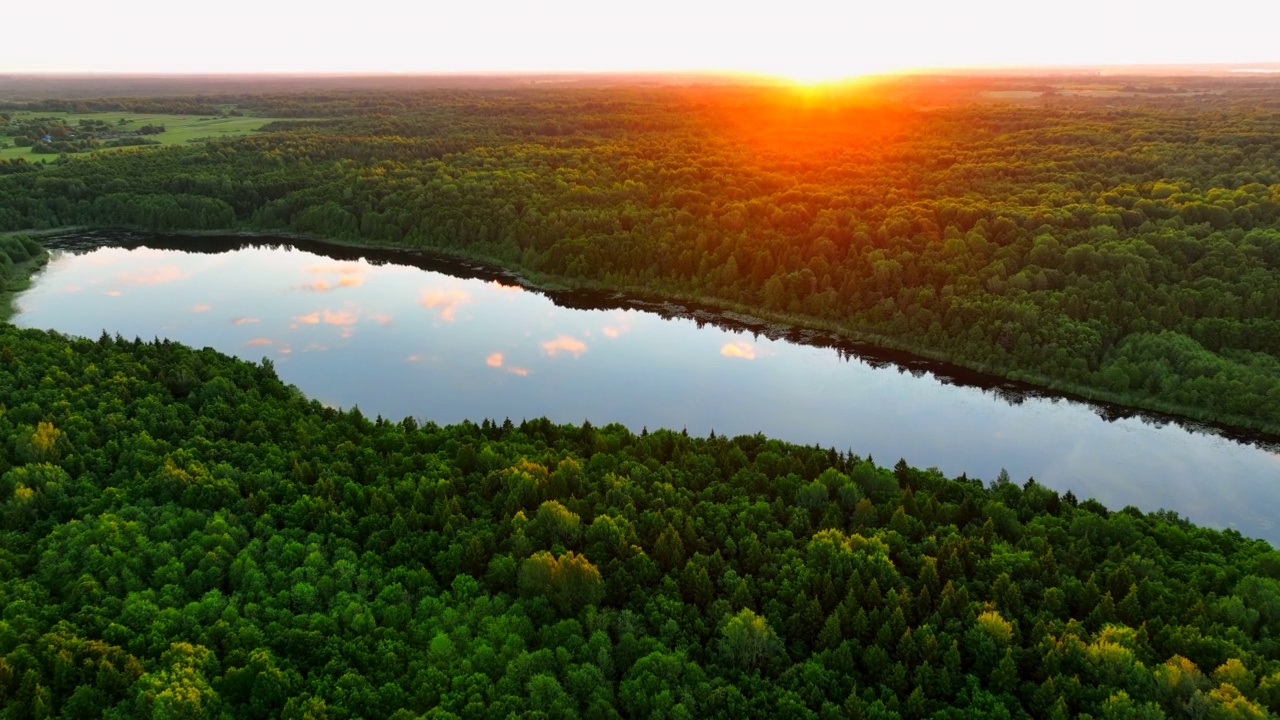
[(178, 128), (17, 152)]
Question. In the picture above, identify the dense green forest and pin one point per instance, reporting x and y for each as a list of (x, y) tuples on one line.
[(1124, 244), (183, 536)]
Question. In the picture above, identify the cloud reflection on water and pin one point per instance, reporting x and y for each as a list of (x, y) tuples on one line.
[(495, 360), (350, 275), (342, 317), (446, 301), (617, 329), (564, 343), (739, 349), (326, 286), (156, 275)]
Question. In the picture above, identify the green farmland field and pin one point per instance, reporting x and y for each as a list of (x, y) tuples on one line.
[(178, 128)]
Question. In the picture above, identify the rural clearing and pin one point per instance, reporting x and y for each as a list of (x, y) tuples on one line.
[(178, 128)]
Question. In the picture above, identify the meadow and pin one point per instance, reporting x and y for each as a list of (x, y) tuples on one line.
[(179, 129)]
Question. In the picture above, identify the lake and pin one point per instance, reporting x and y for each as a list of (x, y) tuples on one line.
[(408, 334)]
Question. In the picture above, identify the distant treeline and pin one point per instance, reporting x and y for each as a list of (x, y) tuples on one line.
[(184, 536), (1125, 246), (166, 106)]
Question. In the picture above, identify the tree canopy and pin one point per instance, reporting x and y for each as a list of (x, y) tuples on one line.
[(183, 535)]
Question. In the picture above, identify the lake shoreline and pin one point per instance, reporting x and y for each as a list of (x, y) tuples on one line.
[(15, 285), (797, 328), (408, 333)]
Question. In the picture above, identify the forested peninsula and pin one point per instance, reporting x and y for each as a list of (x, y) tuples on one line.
[(182, 535), (1116, 239)]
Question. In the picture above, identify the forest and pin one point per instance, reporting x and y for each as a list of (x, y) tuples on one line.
[(1117, 242), (182, 535)]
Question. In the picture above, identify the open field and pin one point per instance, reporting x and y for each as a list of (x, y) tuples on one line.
[(178, 128)]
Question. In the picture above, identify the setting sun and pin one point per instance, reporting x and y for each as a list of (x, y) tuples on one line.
[(817, 76)]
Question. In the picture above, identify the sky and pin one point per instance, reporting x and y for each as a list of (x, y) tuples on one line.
[(802, 39)]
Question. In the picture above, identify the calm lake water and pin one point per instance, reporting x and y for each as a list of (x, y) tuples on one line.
[(407, 335)]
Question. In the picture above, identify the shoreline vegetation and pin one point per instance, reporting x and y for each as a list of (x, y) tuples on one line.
[(1196, 418), (20, 259)]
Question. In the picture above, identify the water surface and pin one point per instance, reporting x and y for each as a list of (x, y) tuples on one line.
[(401, 335)]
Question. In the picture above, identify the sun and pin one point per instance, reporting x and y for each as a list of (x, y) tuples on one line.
[(819, 76), (822, 71)]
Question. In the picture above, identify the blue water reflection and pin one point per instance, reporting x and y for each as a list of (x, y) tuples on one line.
[(400, 340)]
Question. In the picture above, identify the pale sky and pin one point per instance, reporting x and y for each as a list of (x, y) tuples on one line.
[(809, 39)]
